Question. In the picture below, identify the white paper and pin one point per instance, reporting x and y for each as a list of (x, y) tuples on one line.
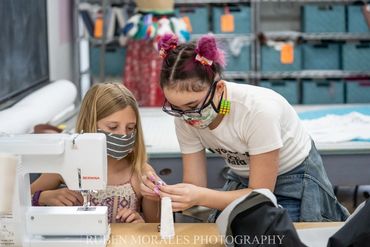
[(317, 237)]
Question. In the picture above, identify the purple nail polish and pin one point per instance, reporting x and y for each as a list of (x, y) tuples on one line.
[(160, 183)]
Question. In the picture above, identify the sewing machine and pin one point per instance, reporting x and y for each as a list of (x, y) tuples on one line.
[(81, 160)]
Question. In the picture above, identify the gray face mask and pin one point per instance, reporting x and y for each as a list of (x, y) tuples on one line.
[(119, 146)]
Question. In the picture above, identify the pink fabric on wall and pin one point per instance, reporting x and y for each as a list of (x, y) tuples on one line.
[(142, 72)]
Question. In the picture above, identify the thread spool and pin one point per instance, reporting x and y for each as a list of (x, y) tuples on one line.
[(167, 225)]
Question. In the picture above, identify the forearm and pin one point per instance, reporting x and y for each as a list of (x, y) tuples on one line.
[(219, 199), (195, 168), (150, 210), (46, 181)]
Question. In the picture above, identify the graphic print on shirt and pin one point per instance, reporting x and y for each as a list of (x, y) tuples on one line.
[(233, 159), (116, 197)]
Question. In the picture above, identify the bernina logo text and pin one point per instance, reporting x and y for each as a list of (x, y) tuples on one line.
[(91, 177)]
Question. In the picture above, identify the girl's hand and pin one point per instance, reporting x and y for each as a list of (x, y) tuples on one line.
[(61, 197), (149, 185), (183, 195), (126, 215)]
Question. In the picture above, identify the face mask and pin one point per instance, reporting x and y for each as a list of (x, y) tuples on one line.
[(119, 146), (201, 121)]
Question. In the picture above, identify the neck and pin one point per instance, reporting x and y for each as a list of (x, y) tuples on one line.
[(115, 165)]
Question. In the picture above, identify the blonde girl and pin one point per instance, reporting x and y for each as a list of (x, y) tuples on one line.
[(108, 108)]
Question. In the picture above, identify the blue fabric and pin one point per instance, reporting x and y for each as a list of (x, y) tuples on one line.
[(305, 192), (307, 115)]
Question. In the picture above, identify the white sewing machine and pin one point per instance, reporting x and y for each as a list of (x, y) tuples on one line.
[(81, 160)]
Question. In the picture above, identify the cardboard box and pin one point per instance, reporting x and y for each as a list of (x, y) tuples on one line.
[(155, 5)]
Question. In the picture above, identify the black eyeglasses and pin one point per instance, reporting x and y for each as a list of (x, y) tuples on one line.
[(169, 109)]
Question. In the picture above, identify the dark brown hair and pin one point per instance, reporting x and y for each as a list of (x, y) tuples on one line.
[(181, 69)]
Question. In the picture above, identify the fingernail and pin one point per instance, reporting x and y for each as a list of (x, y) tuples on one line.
[(156, 190), (152, 178), (117, 217), (160, 183)]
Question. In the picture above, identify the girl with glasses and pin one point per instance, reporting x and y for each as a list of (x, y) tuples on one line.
[(254, 129)]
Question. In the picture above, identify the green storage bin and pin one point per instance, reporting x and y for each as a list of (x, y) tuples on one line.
[(242, 18), (271, 60), (356, 20), (358, 91), (323, 92), (323, 18), (114, 61), (198, 16), (287, 88)]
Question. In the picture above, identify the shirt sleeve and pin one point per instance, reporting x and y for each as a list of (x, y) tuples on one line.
[(264, 131), (188, 140)]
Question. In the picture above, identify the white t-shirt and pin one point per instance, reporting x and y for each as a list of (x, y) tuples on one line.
[(260, 120)]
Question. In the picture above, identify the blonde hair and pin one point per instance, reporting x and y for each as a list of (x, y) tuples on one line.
[(104, 99)]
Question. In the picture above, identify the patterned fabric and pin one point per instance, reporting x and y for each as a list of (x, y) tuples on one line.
[(116, 197), (141, 72)]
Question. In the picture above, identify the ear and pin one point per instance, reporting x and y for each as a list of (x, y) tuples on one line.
[(220, 87)]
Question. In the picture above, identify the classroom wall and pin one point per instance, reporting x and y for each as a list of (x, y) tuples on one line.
[(60, 37)]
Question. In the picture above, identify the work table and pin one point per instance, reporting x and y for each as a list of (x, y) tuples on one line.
[(187, 234)]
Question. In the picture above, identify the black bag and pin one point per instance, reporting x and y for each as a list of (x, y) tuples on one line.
[(356, 231), (256, 221)]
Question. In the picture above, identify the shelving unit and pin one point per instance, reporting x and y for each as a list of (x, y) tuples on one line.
[(101, 42), (297, 35), (259, 34), (249, 39), (281, 35)]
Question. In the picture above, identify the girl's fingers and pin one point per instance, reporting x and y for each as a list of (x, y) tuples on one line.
[(123, 214), (172, 189), (131, 218), (178, 206)]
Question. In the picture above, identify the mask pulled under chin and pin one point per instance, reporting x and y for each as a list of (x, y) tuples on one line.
[(119, 146)]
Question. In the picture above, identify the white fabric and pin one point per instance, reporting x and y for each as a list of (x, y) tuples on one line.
[(260, 121), (38, 107), (159, 131), (339, 128), (61, 115), (317, 237), (236, 45), (8, 164)]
